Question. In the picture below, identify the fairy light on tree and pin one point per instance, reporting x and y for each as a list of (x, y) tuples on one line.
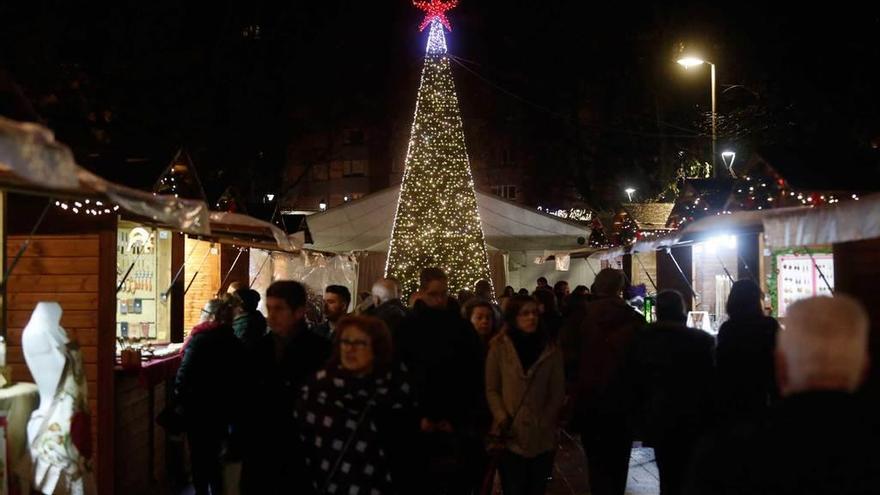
[(437, 223)]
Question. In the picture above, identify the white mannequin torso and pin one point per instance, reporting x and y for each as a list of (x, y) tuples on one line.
[(40, 342)]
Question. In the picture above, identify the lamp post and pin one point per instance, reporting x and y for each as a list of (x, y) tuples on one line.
[(728, 157), (629, 193), (687, 63)]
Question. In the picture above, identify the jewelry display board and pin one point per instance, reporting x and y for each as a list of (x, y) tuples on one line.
[(798, 277), (143, 272)]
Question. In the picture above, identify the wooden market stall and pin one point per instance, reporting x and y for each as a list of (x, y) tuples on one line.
[(101, 251), (80, 261), (217, 260)]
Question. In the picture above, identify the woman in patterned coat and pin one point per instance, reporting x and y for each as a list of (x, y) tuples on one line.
[(339, 414)]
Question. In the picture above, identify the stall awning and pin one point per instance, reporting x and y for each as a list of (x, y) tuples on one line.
[(249, 231), (783, 227), (365, 225), (842, 222), (33, 162), (737, 223)]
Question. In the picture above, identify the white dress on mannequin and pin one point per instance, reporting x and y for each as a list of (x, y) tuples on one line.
[(59, 430)]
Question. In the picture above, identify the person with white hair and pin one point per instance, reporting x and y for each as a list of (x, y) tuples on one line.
[(386, 303), (820, 438)]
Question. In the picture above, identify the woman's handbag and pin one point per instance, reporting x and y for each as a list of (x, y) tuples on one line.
[(496, 444)]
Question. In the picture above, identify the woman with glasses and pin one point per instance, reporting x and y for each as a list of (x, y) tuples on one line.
[(525, 388), (341, 410)]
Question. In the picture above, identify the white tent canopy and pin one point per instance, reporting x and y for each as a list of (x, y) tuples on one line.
[(844, 222), (365, 225)]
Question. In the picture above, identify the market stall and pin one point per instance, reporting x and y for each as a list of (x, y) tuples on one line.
[(64, 242)]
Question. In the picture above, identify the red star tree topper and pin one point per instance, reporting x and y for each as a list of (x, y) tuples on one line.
[(435, 9)]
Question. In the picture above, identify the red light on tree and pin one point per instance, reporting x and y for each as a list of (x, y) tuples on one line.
[(435, 9)]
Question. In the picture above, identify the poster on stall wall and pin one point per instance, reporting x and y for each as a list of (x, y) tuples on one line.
[(799, 277)]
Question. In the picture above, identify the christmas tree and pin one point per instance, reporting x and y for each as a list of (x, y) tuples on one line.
[(437, 223)]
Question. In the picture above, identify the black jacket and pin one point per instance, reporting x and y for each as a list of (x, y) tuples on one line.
[(445, 358), (276, 382), (323, 330), (604, 340), (210, 375), (672, 373), (745, 363), (391, 312), (274, 461), (812, 443), (249, 328)]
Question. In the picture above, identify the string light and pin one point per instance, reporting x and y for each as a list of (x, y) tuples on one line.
[(97, 208), (437, 222), (577, 214)]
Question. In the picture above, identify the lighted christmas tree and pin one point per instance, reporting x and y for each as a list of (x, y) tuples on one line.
[(437, 223)]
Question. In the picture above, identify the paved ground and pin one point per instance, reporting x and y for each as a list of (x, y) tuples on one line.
[(570, 476)]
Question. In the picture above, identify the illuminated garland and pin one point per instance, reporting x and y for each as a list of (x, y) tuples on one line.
[(437, 223), (87, 207), (757, 193)]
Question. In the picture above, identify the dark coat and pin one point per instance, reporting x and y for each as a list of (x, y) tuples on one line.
[(212, 367), (391, 312), (277, 382), (274, 461), (323, 329), (552, 323), (672, 373), (337, 409), (813, 443), (445, 358), (249, 328), (605, 339), (745, 363)]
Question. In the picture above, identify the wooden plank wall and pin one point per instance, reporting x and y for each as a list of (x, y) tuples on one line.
[(856, 270), (706, 267), (136, 453), (206, 283), (668, 276), (644, 270), (238, 271), (63, 269)]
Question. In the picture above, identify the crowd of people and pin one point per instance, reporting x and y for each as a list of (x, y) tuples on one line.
[(437, 395)]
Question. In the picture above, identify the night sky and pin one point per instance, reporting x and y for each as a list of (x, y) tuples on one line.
[(590, 90)]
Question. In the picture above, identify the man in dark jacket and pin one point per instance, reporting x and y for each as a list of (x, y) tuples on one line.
[(603, 393), (386, 304), (820, 439), (249, 324), (672, 375), (281, 362), (445, 358)]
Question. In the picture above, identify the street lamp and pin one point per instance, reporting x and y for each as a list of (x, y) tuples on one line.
[(629, 193), (728, 157), (687, 63)]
